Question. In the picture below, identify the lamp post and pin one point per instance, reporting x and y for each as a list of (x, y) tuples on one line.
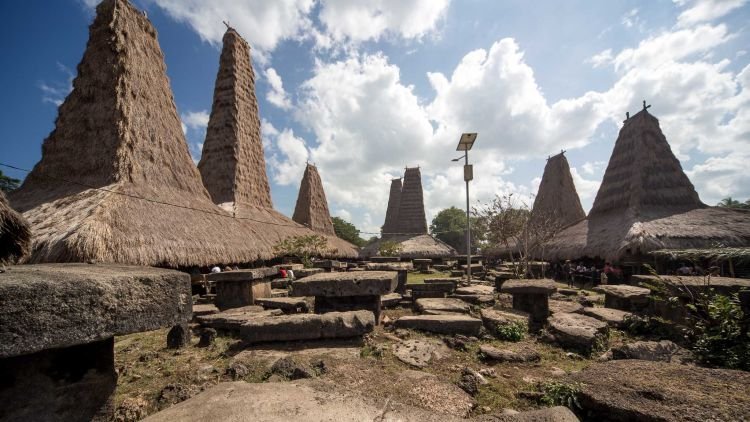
[(465, 144)]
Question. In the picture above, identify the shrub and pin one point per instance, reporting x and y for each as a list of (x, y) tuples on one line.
[(302, 247), (717, 334), (561, 394), (514, 331)]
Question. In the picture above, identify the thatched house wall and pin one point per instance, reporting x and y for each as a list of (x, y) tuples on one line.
[(15, 236), (116, 182), (391, 214), (311, 209), (646, 203), (557, 200), (411, 216)]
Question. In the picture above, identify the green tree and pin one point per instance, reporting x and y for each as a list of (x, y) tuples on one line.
[(730, 202), (8, 183), (449, 225), (347, 231), (303, 247)]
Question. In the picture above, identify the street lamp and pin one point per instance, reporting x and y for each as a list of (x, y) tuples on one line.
[(465, 144)]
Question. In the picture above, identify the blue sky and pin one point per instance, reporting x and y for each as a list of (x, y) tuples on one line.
[(365, 88)]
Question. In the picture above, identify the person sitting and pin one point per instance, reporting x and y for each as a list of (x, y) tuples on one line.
[(290, 275), (282, 273), (684, 270), (215, 269)]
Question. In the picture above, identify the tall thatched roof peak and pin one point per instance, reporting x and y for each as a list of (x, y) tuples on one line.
[(557, 199), (15, 235), (643, 175), (391, 213), (311, 209), (232, 165), (411, 215)]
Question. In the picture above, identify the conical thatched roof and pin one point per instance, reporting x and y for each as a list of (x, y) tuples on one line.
[(116, 182), (311, 209), (420, 246), (646, 202), (557, 201), (15, 236), (391, 214), (233, 166), (411, 216)]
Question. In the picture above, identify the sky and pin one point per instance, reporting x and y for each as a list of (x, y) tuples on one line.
[(365, 88)]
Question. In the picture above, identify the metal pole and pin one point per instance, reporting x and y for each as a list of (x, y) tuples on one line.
[(468, 227)]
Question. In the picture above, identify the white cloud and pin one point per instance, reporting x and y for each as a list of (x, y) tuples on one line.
[(262, 23), (719, 177), (55, 92), (194, 124), (288, 158), (586, 188), (706, 10), (195, 120), (601, 59), (347, 20), (591, 167), (631, 19), (276, 95)]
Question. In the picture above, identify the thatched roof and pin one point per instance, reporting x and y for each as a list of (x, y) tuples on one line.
[(411, 216), (116, 182), (233, 166), (394, 202), (717, 254), (646, 202), (420, 246), (311, 209), (557, 200), (15, 236)]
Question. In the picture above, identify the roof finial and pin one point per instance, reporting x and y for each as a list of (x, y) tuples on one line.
[(227, 25), (645, 106)]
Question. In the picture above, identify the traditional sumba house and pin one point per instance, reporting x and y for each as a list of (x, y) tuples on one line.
[(311, 209), (233, 166), (116, 182), (647, 203), (557, 203), (406, 224), (15, 237)]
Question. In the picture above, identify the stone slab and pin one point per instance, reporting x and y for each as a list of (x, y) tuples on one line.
[(435, 286), (204, 309), (389, 266), (578, 332), (475, 290), (283, 401), (365, 283), (442, 304), (529, 286), (232, 319), (243, 275), (308, 326), (523, 355), (613, 317), (286, 304), (550, 414), (442, 324), (637, 390), (494, 318), (61, 305), (390, 300), (307, 272), (564, 307), (483, 300), (419, 352)]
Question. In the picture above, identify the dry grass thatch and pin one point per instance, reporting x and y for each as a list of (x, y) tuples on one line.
[(411, 216), (15, 235), (311, 209), (646, 203), (557, 197), (420, 246), (118, 139), (718, 254), (394, 202)]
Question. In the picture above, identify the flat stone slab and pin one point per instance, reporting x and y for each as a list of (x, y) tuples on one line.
[(293, 267), (662, 351), (442, 324), (49, 306), (419, 352), (564, 307), (443, 305), (389, 266), (284, 401), (622, 291), (307, 272), (390, 300), (232, 319), (435, 286), (475, 299), (504, 355), (529, 286), (578, 332), (243, 275), (637, 390), (308, 326), (286, 304), (613, 317), (475, 290), (366, 283), (495, 318), (204, 309)]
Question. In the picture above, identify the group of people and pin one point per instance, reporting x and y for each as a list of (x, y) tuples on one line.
[(572, 272)]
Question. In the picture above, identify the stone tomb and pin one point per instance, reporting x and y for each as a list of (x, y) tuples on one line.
[(532, 297), (422, 264), (345, 291), (402, 268), (625, 298), (57, 328), (433, 288), (239, 288)]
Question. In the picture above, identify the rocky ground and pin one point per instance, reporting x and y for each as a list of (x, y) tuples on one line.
[(455, 376)]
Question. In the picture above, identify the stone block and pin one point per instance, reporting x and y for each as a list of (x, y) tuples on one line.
[(366, 283), (626, 298), (250, 274), (579, 332), (444, 305), (442, 324), (527, 286), (613, 317), (325, 304), (290, 305), (308, 326)]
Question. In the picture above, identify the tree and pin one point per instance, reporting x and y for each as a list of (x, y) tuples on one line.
[(347, 231), (730, 202), (449, 225), (389, 248), (8, 183), (302, 247)]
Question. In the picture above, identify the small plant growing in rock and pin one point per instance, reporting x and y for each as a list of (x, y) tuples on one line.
[(514, 331), (561, 394), (371, 351)]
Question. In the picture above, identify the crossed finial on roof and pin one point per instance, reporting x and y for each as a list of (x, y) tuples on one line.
[(227, 24), (646, 106)]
